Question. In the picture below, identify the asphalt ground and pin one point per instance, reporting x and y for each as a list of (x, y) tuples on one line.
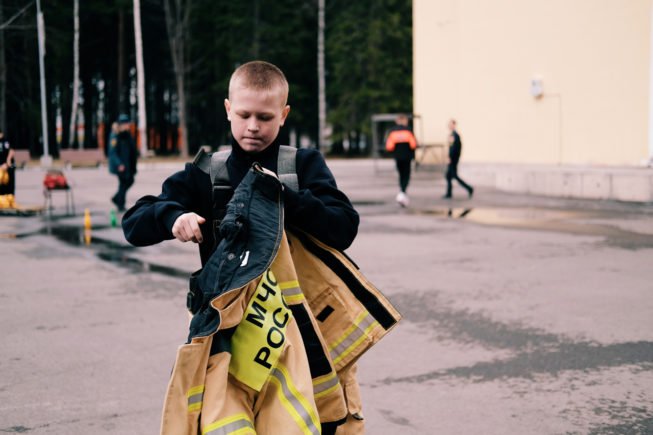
[(522, 314)]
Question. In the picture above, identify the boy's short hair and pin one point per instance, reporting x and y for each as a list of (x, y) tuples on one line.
[(259, 75)]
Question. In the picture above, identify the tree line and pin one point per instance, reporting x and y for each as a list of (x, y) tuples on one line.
[(368, 67)]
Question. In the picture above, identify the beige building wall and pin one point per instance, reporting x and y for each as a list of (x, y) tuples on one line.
[(474, 60)]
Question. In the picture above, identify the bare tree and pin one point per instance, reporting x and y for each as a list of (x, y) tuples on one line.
[(140, 78), (75, 106), (177, 14)]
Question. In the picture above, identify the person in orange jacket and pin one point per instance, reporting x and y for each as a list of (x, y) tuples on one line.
[(401, 143)]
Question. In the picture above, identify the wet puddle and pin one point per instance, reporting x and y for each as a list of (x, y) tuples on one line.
[(540, 219), (106, 250)]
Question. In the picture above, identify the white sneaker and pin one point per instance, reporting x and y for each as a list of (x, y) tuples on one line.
[(402, 199)]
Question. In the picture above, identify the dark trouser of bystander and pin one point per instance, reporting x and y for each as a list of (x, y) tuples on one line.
[(125, 181), (452, 174), (403, 167)]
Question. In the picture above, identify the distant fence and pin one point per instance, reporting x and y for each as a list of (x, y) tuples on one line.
[(84, 157)]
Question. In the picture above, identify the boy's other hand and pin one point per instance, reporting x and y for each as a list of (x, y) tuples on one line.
[(187, 228)]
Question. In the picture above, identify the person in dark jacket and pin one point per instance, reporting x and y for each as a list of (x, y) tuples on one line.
[(455, 149), (257, 109), (122, 160), (401, 143), (8, 165)]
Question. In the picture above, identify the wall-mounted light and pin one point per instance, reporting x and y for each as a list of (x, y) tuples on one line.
[(536, 87)]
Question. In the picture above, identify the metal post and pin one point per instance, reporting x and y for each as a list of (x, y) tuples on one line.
[(140, 80), (46, 159), (650, 97)]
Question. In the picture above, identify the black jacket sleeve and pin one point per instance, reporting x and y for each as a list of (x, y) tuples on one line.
[(150, 220), (319, 208), (455, 149)]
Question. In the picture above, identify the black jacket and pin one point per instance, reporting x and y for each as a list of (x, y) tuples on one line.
[(456, 148), (318, 208), (123, 153)]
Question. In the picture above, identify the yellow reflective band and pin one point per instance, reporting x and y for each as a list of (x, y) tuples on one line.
[(195, 390), (195, 396), (356, 343), (352, 337), (235, 425), (288, 284), (260, 337), (292, 293), (295, 403), (326, 385), (294, 300), (349, 330)]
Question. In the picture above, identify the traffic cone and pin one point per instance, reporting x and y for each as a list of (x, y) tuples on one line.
[(87, 219)]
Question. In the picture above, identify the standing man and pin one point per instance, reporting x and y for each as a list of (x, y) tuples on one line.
[(7, 164), (455, 149), (122, 160), (401, 143)]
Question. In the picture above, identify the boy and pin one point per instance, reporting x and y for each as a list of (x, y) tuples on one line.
[(401, 143), (257, 108)]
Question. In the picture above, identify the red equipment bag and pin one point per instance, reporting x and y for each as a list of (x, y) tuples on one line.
[(55, 179)]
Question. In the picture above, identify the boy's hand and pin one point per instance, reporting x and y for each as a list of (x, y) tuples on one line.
[(187, 228)]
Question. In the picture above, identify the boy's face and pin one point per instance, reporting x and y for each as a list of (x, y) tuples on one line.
[(256, 116)]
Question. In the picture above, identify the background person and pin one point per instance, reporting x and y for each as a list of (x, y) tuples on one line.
[(7, 164), (455, 149), (401, 143), (122, 160)]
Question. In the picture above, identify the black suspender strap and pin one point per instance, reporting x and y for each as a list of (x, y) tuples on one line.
[(222, 190)]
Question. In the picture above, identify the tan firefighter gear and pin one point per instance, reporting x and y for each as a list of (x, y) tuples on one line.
[(279, 321)]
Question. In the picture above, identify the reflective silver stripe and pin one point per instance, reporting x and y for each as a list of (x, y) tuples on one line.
[(292, 291), (231, 427), (195, 398), (351, 338), (303, 412), (325, 385)]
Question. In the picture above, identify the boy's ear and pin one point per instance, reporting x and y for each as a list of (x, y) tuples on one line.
[(284, 114), (227, 108)]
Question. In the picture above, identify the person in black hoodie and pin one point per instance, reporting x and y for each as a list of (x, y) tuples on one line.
[(257, 109), (455, 149)]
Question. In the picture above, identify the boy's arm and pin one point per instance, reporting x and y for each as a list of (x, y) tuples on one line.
[(319, 208), (150, 220)]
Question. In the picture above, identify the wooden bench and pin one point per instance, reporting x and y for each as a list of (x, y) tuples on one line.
[(21, 157), (83, 157)]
